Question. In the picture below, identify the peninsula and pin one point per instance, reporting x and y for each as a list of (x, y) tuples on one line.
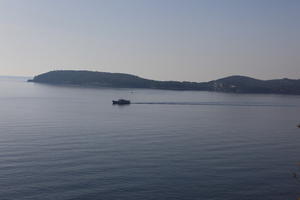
[(232, 84)]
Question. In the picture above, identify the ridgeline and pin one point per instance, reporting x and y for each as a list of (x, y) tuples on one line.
[(232, 84)]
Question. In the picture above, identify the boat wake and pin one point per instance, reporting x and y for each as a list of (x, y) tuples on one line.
[(216, 104)]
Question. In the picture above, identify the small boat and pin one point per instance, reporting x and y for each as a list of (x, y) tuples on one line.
[(121, 102), (298, 126)]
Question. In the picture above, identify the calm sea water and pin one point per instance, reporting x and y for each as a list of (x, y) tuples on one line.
[(66, 143)]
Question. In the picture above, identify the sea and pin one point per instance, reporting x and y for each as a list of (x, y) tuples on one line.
[(70, 142)]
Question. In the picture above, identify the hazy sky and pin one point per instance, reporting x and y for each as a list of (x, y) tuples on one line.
[(160, 39)]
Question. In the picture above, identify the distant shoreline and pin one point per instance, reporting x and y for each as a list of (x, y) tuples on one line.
[(232, 84)]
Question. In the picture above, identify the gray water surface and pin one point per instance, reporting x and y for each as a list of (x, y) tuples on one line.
[(59, 142)]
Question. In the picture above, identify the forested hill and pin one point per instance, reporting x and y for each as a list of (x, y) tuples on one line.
[(233, 84), (106, 79)]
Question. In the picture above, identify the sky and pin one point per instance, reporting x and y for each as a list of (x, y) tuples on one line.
[(193, 40)]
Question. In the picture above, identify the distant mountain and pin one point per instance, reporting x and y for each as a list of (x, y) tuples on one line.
[(233, 84)]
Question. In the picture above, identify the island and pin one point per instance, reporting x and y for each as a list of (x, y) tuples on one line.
[(232, 84)]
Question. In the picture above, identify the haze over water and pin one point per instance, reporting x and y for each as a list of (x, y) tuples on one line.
[(59, 142)]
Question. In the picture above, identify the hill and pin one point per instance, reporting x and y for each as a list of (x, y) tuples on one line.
[(105, 79), (244, 84), (233, 84)]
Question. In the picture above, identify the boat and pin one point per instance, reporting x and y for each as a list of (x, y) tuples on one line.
[(298, 126), (121, 102)]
